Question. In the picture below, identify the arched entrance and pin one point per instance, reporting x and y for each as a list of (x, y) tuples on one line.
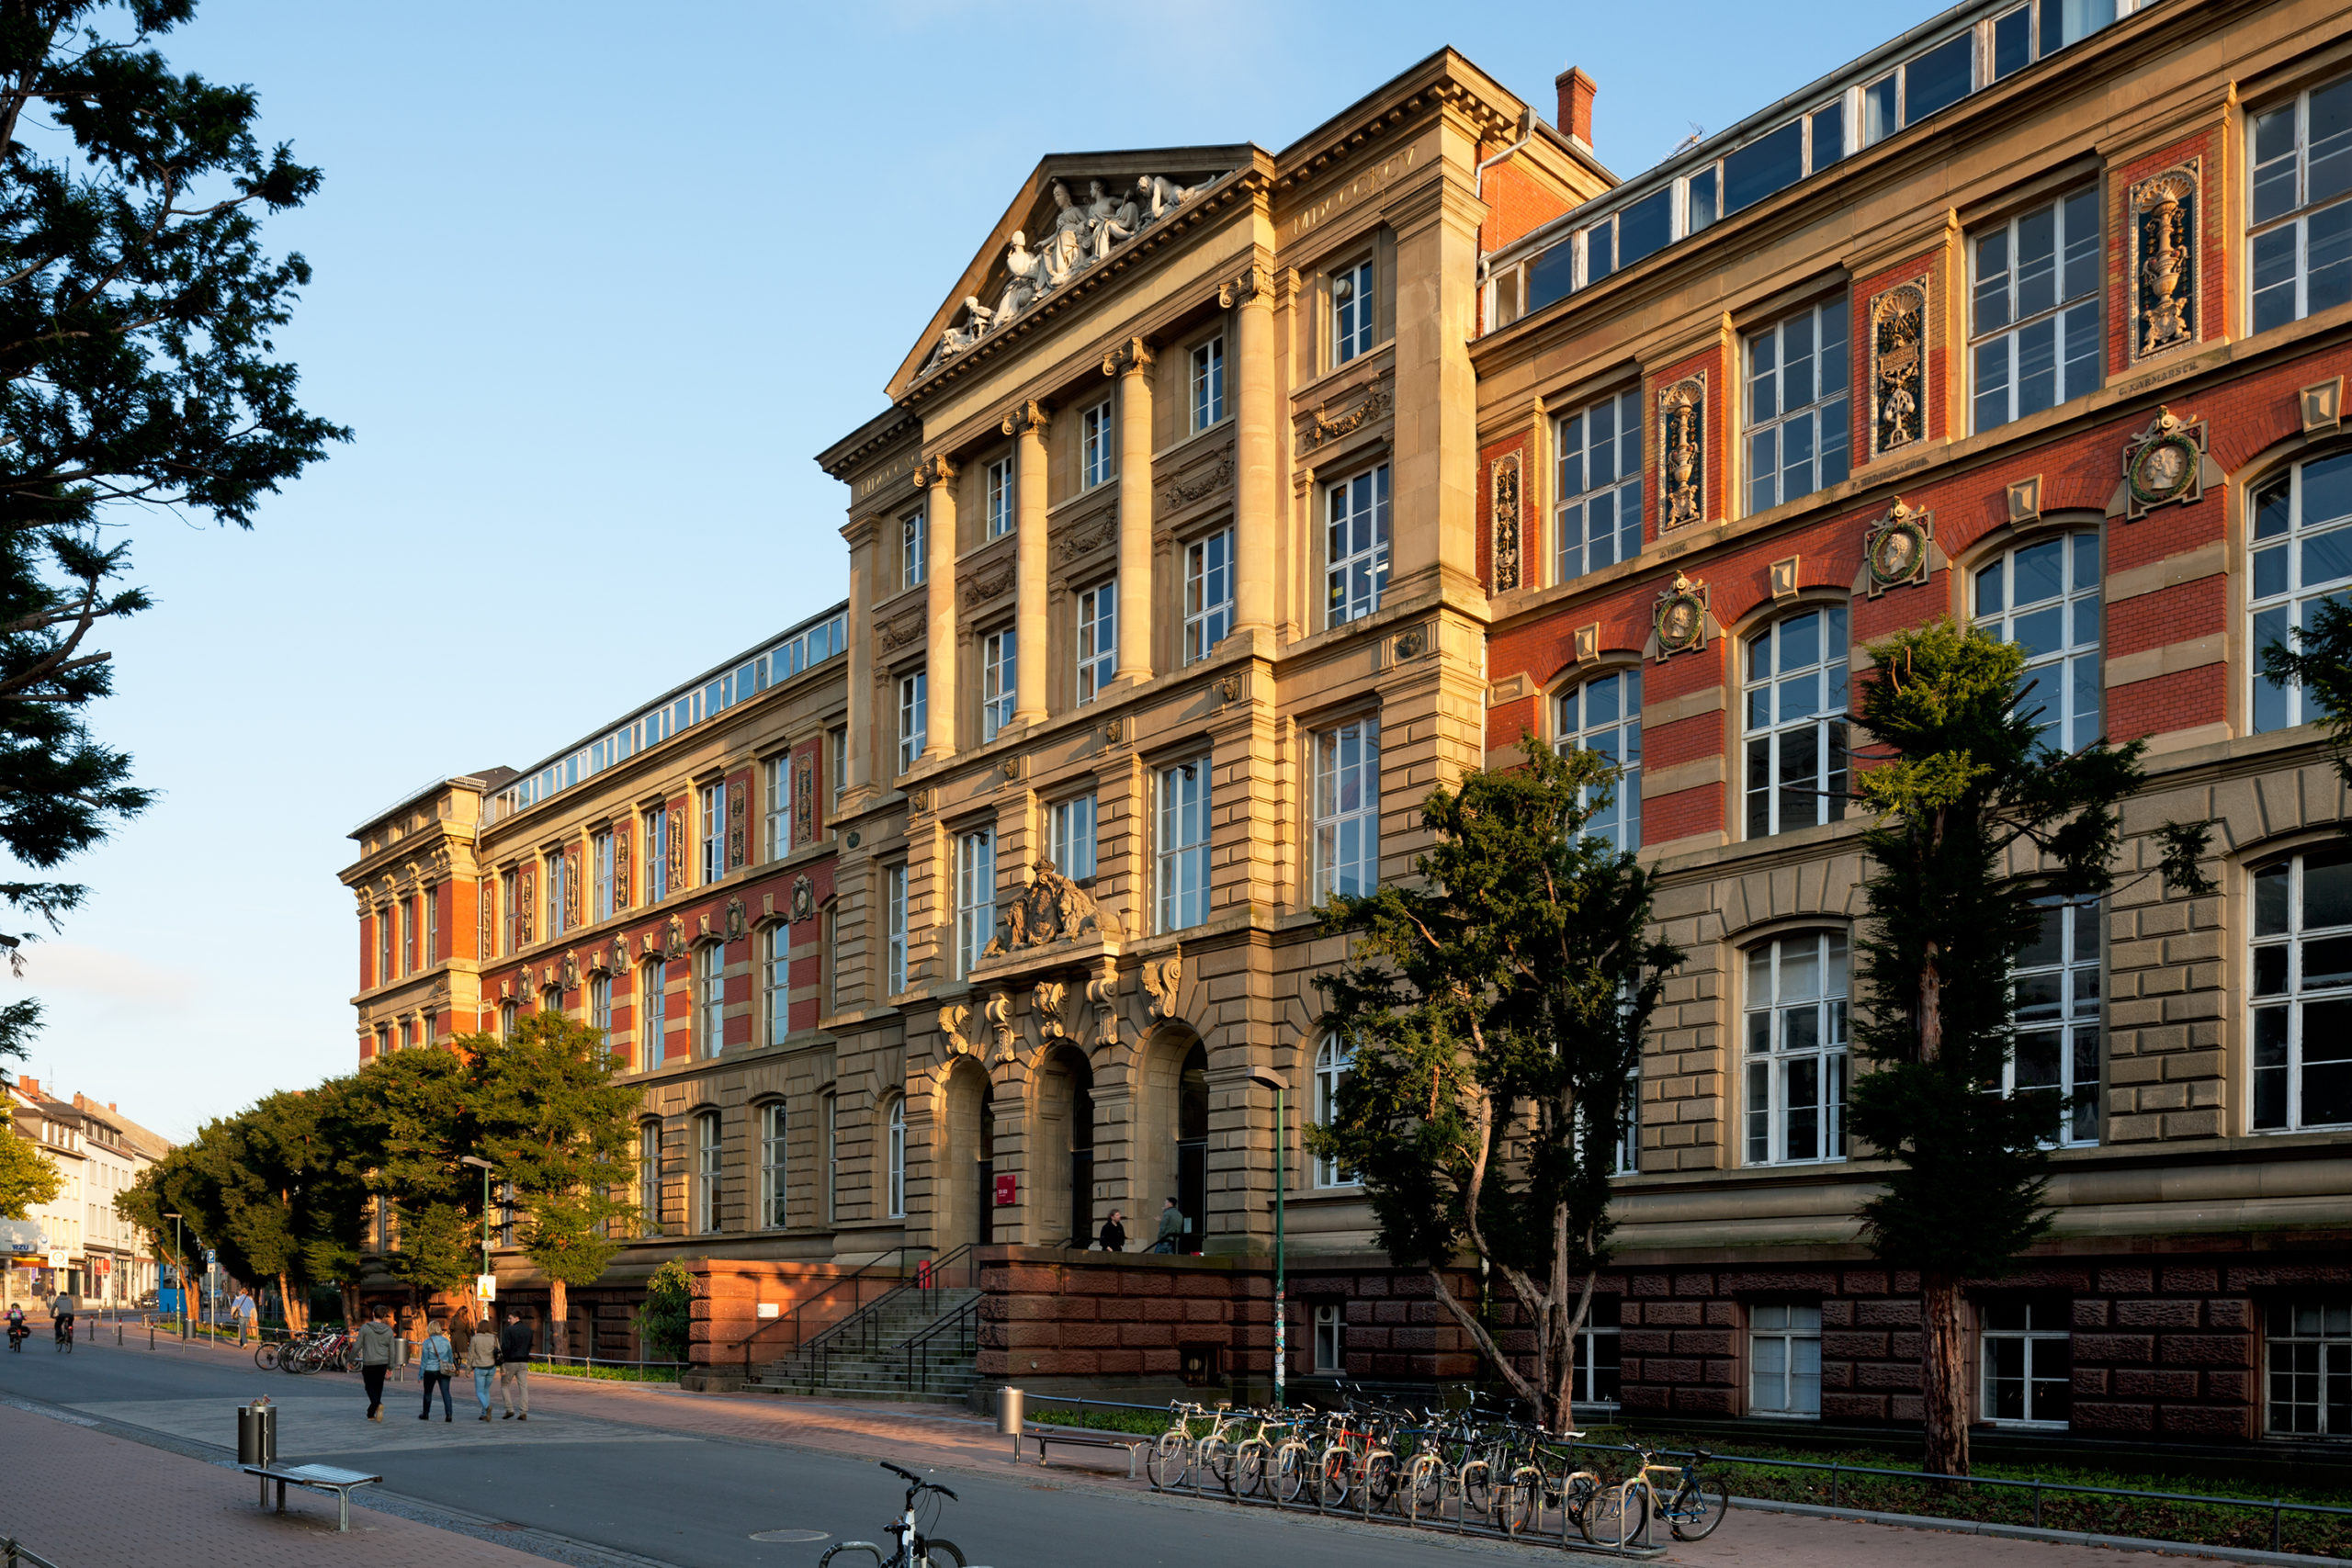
[(985, 1232), (1193, 1146)]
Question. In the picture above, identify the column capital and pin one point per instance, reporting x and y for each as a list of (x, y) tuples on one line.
[(1025, 417), (1255, 285), (939, 469), (1131, 357)]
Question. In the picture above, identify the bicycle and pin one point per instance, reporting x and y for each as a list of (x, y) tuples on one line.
[(1171, 1458), (915, 1549), (1688, 1510), (65, 1334), (1697, 1505)]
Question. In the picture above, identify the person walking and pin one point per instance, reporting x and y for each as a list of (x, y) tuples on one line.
[(62, 1312), (515, 1366), (482, 1355), (242, 1310), (1171, 1228), (434, 1361), (376, 1342), (1115, 1235)]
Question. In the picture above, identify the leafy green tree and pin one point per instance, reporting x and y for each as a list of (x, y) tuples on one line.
[(1496, 1009), (398, 1132), (543, 1108), (27, 1176), (666, 1320), (1980, 826), (138, 369), (2320, 663)]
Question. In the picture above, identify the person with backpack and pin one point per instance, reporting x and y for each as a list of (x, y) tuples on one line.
[(434, 1361)]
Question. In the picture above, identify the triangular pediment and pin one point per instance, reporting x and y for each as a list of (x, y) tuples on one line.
[(1074, 213)]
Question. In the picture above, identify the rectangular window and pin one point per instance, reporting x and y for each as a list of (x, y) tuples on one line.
[(1347, 809), (1208, 384), (649, 1178), (1073, 838), (1355, 556), (894, 895), (655, 836), (1353, 299), (708, 1153), (775, 981), (714, 833), (914, 718), (1184, 845), (2034, 315), (1208, 593), (779, 805), (1604, 715), (1796, 406), (2301, 161), (837, 746), (1096, 446), (558, 879), (1598, 519), (600, 1002), (2055, 1050), (384, 937), (510, 906), (912, 547), (1773, 162), (1001, 500), (601, 848), (1796, 723), (2307, 1356), (1098, 639), (1330, 1337), (2027, 1350), (1795, 1016), (1597, 1360), (999, 653), (975, 897), (710, 1020), (1335, 1062), (2303, 991), (896, 1154), (407, 910), (836, 994), (653, 1014), (833, 1159), (771, 1158), (1783, 1360)]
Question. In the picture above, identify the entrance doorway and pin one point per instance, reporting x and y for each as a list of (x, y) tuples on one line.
[(1192, 1146), (985, 1205), (1081, 1151)]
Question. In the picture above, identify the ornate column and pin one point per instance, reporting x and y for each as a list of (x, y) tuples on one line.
[(1250, 298), (936, 479), (1031, 617), (1132, 364)]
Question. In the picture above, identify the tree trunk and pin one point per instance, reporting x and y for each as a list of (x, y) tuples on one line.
[(286, 1301), (1944, 1375), (559, 1314)]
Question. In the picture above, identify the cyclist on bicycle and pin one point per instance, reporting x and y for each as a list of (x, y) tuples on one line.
[(17, 1329), (61, 1309)]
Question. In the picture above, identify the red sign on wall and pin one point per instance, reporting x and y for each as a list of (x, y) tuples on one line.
[(1007, 1193)]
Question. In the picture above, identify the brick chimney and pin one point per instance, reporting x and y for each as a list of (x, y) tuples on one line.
[(1576, 103), (31, 1086)]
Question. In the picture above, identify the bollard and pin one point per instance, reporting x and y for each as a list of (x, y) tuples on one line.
[(1008, 1416)]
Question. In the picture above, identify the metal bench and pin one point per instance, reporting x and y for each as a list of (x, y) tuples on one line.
[(317, 1478), (1130, 1447)]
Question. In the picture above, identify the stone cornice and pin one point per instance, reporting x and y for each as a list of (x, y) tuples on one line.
[(1445, 81)]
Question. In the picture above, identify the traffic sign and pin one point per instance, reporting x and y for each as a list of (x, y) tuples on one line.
[(60, 1259), (486, 1287)]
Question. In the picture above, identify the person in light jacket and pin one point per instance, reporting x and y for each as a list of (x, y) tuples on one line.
[(482, 1357), (515, 1366), (1171, 1229), (376, 1342), (434, 1362)]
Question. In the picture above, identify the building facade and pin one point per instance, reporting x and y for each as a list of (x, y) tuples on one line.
[(97, 1153), (1234, 498)]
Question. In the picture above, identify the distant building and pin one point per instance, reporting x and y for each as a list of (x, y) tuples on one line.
[(99, 1152)]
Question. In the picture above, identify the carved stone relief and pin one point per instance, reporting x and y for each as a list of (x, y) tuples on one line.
[(1328, 426), (1160, 979), (620, 868), (1102, 995), (1895, 551), (1084, 235), (1898, 325), (678, 850), (952, 1022), (1090, 534), (998, 1010), (737, 804), (1051, 909), (804, 899), (1048, 1000), (1505, 523), (2164, 464), (986, 586), (1682, 451), (1678, 619), (1198, 482), (737, 922), (2165, 260), (897, 634)]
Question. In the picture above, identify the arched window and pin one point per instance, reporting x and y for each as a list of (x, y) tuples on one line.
[(772, 1129), (1334, 1060), (1604, 715), (708, 1150), (1795, 693), (649, 1177), (2303, 991), (2045, 598), (1794, 1011), (897, 1157), (2302, 555)]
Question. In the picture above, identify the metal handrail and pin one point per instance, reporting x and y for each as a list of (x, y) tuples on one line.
[(864, 1321), (965, 1319), (801, 1307), (16, 1554)]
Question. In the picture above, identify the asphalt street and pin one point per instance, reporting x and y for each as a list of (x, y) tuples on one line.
[(672, 1497)]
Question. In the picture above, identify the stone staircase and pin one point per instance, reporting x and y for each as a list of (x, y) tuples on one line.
[(872, 1354)]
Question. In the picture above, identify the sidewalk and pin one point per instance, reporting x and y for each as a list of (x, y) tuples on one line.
[(159, 1507)]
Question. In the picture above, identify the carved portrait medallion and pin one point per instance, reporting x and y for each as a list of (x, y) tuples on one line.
[(1680, 617), (2164, 464), (1894, 552)]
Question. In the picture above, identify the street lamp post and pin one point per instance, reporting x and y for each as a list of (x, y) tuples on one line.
[(1282, 1128), (485, 1167)]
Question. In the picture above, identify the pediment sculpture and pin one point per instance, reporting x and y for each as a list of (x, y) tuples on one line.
[(1084, 233), (1051, 909)]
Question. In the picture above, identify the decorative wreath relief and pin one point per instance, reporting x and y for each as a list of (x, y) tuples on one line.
[(1679, 618), (2163, 464), (1895, 550)]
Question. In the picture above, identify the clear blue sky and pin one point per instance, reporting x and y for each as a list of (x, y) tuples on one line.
[(593, 282)]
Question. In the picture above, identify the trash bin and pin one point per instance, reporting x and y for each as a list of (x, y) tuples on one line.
[(257, 1432), (1008, 1411)]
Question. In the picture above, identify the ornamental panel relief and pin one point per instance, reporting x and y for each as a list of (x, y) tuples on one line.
[(2165, 255), (1505, 501), (1898, 328), (1682, 452)]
